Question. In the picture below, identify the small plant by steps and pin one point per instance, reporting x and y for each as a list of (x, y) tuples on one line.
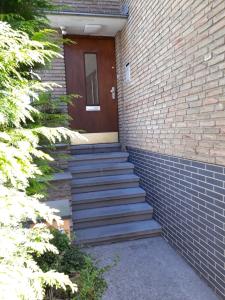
[(79, 266)]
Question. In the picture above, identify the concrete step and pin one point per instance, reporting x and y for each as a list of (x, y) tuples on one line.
[(118, 232), (102, 183), (95, 148), (111, 157), (103, 216), (96, 170), (108, 198)]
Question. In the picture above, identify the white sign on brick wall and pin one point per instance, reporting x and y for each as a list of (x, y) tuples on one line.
[(127, 73)]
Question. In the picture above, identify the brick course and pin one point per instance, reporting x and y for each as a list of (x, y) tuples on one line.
[(189, 201), (56, 73), (61, 154), (91, 6), (59, 190), (175, 102)]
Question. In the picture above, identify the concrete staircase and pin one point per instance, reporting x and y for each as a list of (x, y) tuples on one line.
[(108, 204)]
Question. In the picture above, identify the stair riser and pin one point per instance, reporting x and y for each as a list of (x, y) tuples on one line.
[(112, 220), (102, 173), (98, 150), (109, 174), (104, 187), (126, 237), (105, 203), (76, 163)]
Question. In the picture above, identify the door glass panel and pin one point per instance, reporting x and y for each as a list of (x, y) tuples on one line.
[(91, 75)]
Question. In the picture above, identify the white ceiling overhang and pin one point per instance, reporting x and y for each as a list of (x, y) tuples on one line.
[(88, 24)]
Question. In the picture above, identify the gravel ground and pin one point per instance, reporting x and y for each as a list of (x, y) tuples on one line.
[(149, 269)]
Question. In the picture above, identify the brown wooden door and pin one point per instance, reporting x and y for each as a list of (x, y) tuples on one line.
[(91, 73)]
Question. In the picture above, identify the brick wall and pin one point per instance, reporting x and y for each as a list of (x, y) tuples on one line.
[(175, 101), (189, 201), (59, 189), (91, 6), (55, 72), (61, 154), (59, 194), (171, 118)]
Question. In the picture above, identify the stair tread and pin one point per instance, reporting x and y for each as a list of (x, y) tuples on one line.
[(95, 146), (92, 156), (109, 194), (105, 179), (100, 204), (101, 166), (112, 211), (108, 232)]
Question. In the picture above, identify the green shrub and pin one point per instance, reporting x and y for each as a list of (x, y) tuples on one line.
[(71, 260), (90, 281), (19, 147), (26, 15), (25, 122)]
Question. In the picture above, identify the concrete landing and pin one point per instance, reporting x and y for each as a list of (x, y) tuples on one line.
[(149, 269)]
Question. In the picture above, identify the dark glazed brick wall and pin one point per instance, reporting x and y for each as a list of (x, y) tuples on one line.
[(189, 201)]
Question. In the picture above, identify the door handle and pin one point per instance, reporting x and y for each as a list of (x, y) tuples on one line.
[(113, 92)]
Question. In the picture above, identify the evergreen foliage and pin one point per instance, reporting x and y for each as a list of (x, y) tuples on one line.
[(30, 118), (20, 275), (26, 15), (18, 149), (50, 110)]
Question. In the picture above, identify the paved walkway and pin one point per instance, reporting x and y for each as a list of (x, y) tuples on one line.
[(150, 269)]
